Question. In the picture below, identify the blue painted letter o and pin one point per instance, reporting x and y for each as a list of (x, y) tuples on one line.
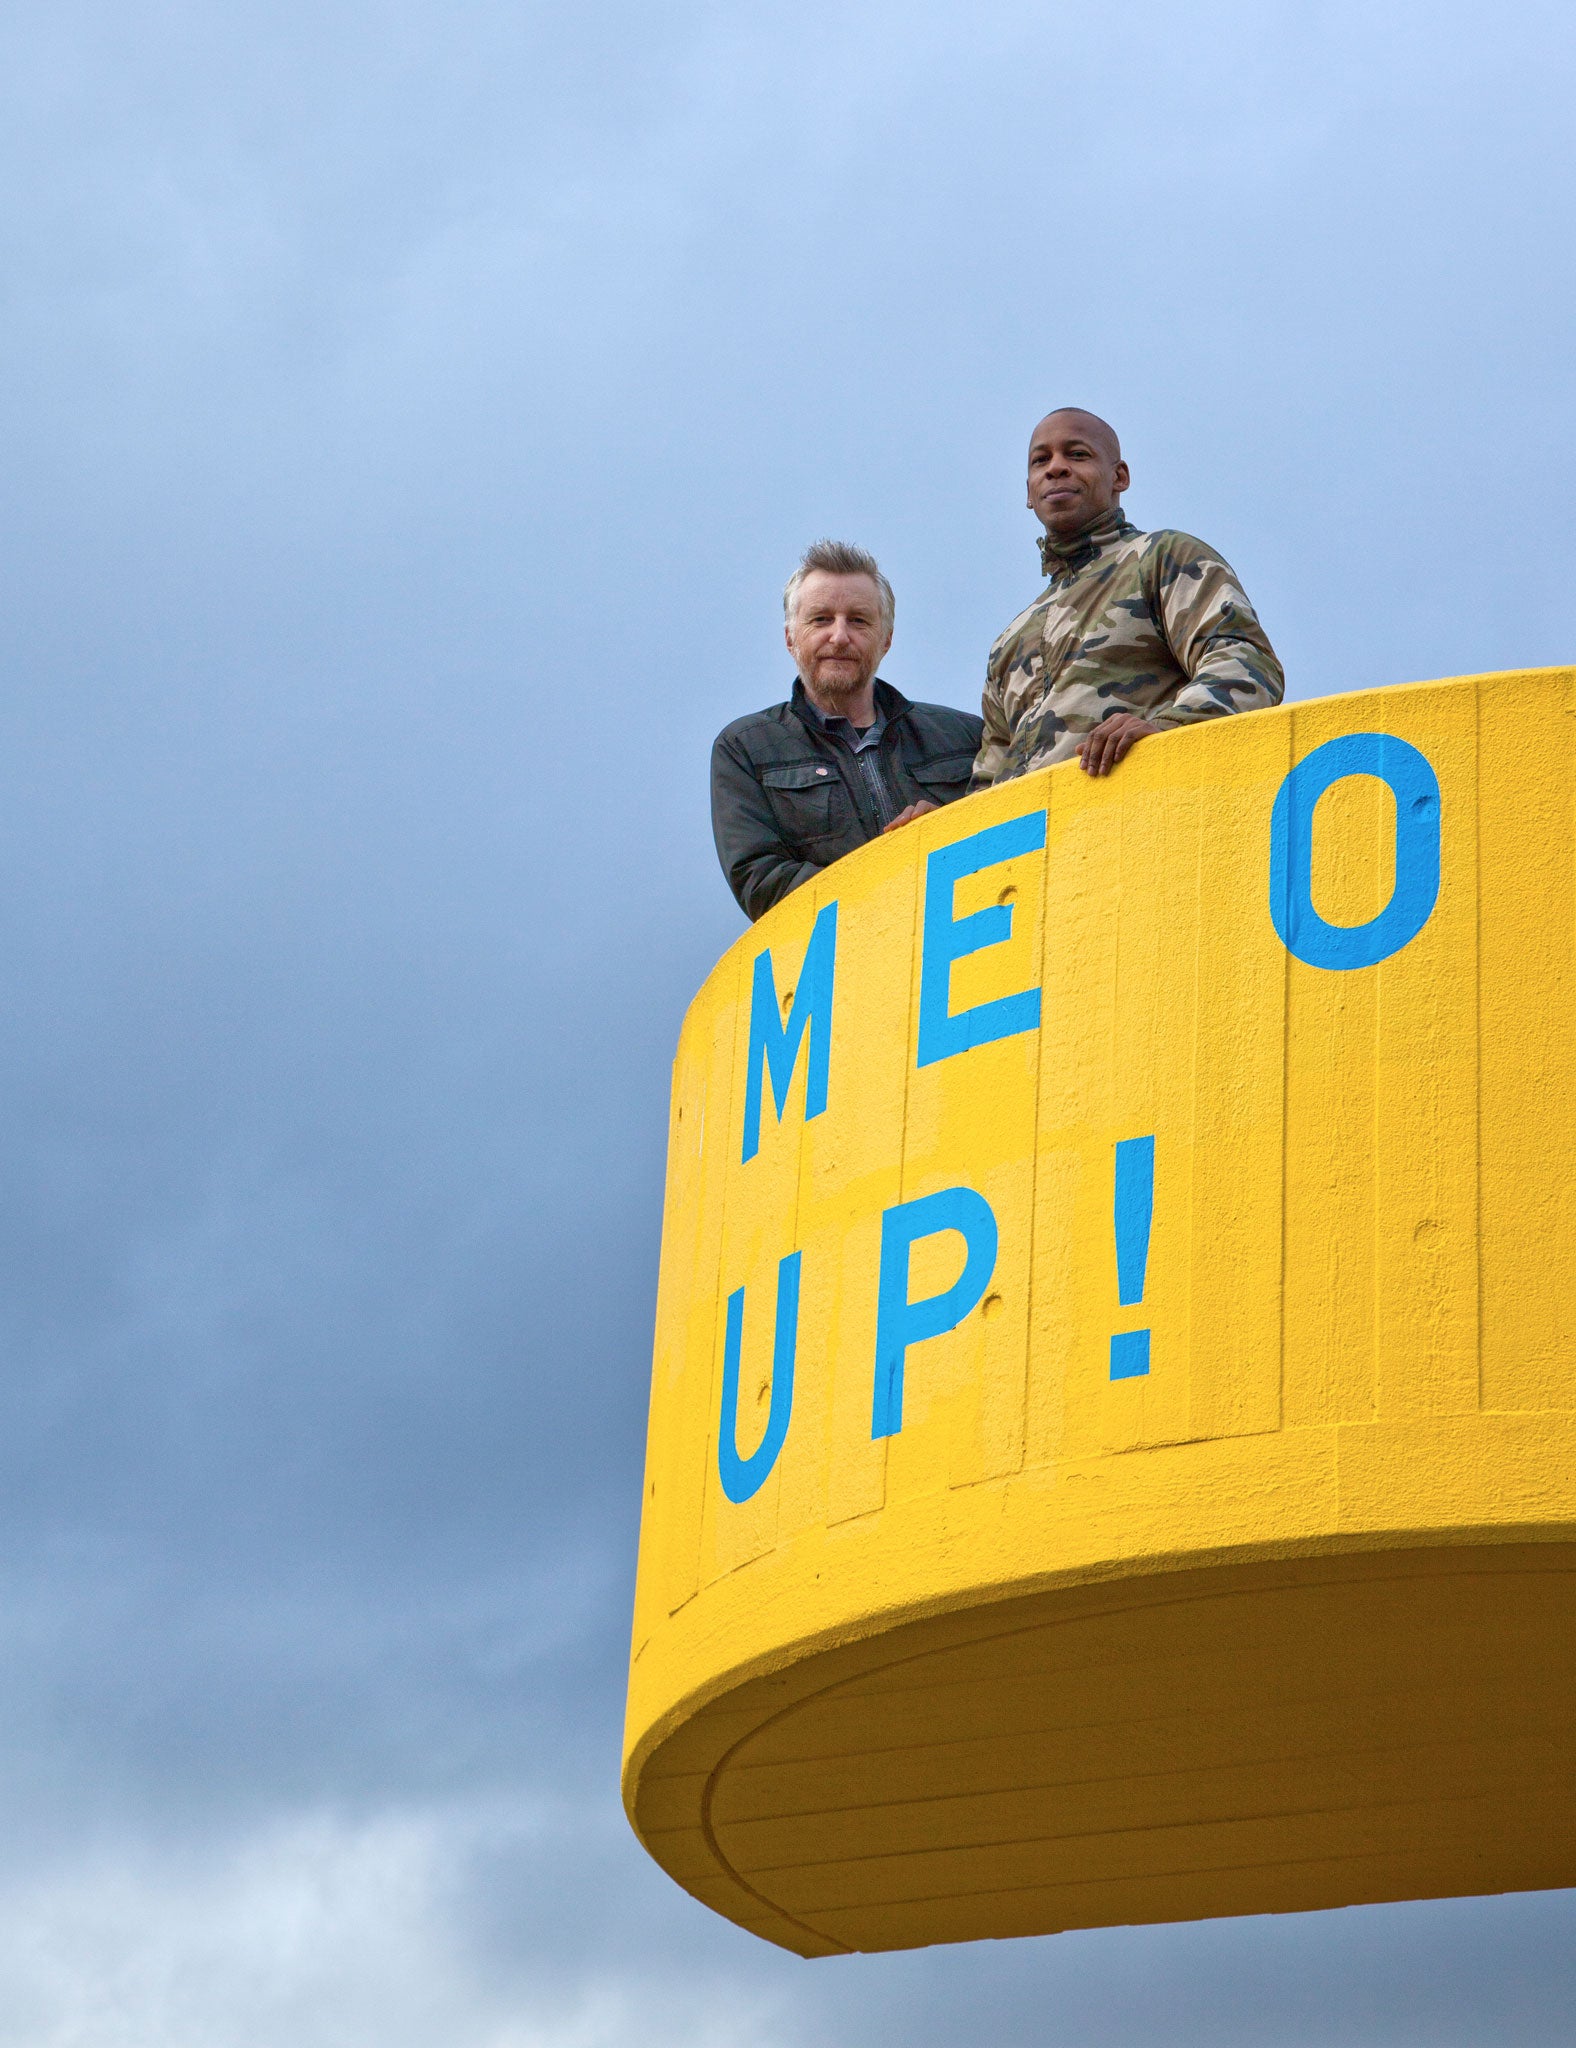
[(1415, 788)]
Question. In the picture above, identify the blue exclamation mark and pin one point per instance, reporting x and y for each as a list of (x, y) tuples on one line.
[(1132, 1212)]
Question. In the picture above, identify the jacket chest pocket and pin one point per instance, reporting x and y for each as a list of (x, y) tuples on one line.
[(944, 779), (808, 798)]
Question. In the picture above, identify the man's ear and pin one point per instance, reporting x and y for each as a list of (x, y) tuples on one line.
[(1123, 477)]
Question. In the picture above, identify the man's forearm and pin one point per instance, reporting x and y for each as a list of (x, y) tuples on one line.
[(1238, 678), (759, 865), (767, 878), (1218, 642)]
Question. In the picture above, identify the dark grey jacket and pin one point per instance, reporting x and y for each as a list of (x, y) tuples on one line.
[(787, 798)]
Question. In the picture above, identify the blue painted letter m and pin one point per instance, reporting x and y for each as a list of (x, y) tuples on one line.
[(776, 1045)]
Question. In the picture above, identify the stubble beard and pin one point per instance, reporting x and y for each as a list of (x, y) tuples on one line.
[(838, 690)]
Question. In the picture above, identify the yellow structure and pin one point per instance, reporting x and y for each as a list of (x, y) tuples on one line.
[(1113, 1428)]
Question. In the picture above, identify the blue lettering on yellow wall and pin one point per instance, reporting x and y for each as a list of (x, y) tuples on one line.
[(1132, 1216), (742, 1477), (948, 939), (776, 1045), (901, 1322), (1415, 788)]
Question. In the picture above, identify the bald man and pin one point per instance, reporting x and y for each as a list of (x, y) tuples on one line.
[(1136, 633)]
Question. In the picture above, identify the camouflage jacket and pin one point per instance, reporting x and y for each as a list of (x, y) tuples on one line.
[(1149, 622)]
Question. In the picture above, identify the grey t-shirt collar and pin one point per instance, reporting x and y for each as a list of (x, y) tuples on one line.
[(839, 728)]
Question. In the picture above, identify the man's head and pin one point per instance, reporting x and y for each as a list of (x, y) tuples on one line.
[(837, 621), (1076, 471)]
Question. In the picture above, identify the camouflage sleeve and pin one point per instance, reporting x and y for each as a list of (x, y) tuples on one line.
[(1212, 630), (997, 737)]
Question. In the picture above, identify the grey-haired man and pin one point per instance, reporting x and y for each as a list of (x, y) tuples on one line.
[(795, 787)]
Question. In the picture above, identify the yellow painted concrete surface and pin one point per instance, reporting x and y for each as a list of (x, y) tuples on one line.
[(951, 1620)]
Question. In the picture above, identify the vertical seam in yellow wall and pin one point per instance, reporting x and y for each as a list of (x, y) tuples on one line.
[(910, 1028), (1034, 1150), (1285, 1120), (1379, 1381), (1113, 1058), (918, 862), (1193, 1403), (1477, 1027)]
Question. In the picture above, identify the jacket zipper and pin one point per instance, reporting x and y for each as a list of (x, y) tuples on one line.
[(880, 788)]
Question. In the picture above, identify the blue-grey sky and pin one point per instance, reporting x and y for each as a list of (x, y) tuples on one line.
[(408, 415)]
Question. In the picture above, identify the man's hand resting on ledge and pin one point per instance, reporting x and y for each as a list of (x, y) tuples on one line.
[(908, 816), (1112, 740)]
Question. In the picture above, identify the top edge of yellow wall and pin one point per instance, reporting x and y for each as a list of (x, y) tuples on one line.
[(764, 924)]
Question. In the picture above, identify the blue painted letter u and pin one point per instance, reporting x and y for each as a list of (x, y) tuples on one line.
[(742, 1477)]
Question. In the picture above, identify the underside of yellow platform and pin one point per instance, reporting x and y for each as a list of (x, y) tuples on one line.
[(1252, 1739), (1113, 1427)]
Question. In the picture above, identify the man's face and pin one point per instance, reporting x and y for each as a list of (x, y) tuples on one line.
[(836, 636), (1076, 472)]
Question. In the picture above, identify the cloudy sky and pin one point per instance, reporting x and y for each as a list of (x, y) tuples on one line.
[(408, 414)]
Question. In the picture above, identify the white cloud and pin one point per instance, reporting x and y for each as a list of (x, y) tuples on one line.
[(321, 1931)]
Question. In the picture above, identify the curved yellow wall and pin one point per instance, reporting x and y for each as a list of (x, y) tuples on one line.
[(1005, 1617)]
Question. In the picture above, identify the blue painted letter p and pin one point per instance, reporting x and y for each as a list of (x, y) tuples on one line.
[(901, 1322)]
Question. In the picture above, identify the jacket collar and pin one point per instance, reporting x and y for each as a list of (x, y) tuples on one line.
[(1079, 549), (890, 704)]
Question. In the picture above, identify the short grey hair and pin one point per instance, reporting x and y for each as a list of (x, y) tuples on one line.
[(839, 558)]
